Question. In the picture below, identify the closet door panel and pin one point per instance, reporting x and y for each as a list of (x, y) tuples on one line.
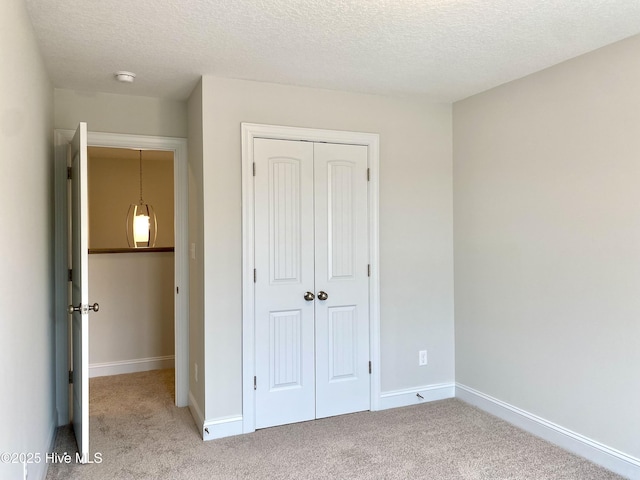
[(341, 260), (284, 320)]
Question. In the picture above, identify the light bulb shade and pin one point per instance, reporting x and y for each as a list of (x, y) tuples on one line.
[(141, 229), (142, 226)]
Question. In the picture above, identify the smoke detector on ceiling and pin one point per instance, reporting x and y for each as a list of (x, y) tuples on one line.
[(126, 77)]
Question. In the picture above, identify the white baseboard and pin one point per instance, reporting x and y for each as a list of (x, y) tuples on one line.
[(222, 427), (216, 427), (592, 450), (409, 396), (131, 366)]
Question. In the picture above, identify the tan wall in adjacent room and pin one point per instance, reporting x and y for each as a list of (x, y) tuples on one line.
[(114, 185), (136, 318)]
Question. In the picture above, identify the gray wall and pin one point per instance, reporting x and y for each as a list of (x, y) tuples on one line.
[(196, 265), (106, 112), (416, 254), (547, 244), (27, 402)]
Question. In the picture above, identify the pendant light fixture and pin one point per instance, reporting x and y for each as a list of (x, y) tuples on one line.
[(142, 226)]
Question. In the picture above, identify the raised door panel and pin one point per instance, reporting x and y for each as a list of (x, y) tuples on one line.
[(341, 259), (284, 321), (340, 220), (285, 350), (284, 220), (343, 343)]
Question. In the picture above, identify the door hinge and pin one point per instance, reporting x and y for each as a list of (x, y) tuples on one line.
[(255, 383), (70, 376), (177, 290), (369, 367), (368, 174), (69, 173), (368, 270), (254, 169), (70, 276), (255, 276)]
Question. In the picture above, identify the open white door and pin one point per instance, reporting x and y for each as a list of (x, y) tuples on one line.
[(80, 289)]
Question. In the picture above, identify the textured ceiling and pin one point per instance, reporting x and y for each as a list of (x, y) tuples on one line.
[(443, 49)]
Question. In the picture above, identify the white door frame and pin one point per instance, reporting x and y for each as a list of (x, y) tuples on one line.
[(249, 132), (181, 255)]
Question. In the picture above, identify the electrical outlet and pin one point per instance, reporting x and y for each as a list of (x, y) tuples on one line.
[(195, 371), (422, 357)]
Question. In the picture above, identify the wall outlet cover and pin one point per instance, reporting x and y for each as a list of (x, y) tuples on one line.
[(422, 357)]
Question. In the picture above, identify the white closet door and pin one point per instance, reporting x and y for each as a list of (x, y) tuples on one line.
[(311, 240), (341, 261), (284, 256)]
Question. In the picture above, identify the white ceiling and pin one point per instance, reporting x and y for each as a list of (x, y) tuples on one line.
[(443, 49)]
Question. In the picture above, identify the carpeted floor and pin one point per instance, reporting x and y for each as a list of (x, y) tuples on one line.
[(140, 434)]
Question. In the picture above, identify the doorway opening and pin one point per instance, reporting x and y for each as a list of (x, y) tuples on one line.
[(134, 330), (180, 283)]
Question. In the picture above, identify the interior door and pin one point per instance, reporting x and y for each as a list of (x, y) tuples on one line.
[(341, 279), (284, 311), (80, 289), (311, 285)]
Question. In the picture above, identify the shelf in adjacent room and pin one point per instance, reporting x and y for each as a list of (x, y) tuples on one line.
[(130, 250)]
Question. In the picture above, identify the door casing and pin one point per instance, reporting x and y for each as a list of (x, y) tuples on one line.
[(249, 132), (181, 228)]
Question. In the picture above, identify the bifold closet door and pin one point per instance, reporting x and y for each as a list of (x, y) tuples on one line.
[(311, 288)]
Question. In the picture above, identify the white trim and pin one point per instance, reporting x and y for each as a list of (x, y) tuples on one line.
[(608, 457), (249, 132), (131, 366), (181, 256), (222, 427), (409, 396), (217, 427)]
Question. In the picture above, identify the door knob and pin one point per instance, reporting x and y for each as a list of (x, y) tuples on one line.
[(309, 296), (322, 295), (86, 309)]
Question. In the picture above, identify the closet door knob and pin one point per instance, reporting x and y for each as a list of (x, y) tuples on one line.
[(322, 295), (309, 296)]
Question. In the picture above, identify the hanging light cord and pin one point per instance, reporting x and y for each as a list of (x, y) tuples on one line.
[(141, 202)]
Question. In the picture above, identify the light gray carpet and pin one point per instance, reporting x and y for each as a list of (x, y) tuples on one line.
[(142, 435)]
